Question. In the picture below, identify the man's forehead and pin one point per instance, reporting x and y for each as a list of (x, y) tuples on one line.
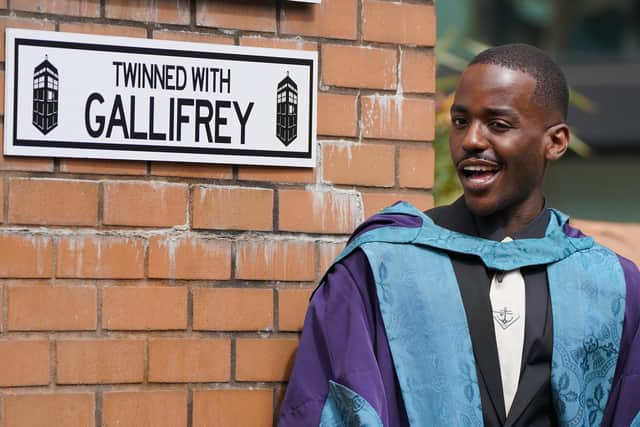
[(495, 87), (493, 77)]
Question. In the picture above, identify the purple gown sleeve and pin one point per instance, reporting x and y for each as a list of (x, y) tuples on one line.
[(343, 340), (624, 400)]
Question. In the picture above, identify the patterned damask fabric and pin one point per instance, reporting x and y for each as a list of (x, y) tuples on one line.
[(346, 408), (504, 256), (588, 297), (432, 351), (428, 334)]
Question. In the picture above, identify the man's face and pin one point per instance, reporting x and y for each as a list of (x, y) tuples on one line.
[(497, 140)]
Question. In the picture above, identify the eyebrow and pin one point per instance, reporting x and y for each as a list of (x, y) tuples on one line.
[(497, 111), (491, 111)]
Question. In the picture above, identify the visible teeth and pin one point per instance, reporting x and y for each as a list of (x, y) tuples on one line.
[(479, 169)]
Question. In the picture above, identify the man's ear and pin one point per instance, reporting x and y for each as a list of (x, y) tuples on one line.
[(557, 141)]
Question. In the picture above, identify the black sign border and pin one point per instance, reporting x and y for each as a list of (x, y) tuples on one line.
[(161, 52)]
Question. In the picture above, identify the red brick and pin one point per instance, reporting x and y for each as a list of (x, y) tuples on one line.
[(319, 211), (187, 170), (148, 204), (58, 409), (144, 308), (189, 36), (264, 359), (297, 44), (98, 257), (238, 15), (359, 164), (165, 11), (31, 164), (25, 255), (1, 200), (328, 253), (374, 202), (53, 202), (337, 115), (233, 208), (232, 309), (100, 361), (176, 360), (390, 117), (15, 163), (289, 260), (31, 282), (103, 167), (417, 167), (361, 67), (157, 408), (228, 407), (292, 307), (27, 23), (281, 391), (189, 257), (403, 23), (44, 308), (418, 71), (88, 8), (24, 363), (330, 18), (103, 29), (276, 174)]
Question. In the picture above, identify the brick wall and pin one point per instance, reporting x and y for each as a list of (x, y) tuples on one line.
[(156, 294)]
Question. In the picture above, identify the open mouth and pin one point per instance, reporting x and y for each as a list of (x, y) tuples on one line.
[(477, 174)]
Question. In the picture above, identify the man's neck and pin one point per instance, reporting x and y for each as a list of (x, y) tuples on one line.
[(526, 221)]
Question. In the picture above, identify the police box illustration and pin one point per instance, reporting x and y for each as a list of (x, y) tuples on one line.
[(287, 116), (45, 96)]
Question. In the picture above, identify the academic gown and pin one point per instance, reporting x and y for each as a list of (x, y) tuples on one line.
[(344, 349), (533, 405)]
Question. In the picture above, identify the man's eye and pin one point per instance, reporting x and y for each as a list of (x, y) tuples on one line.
[(458, 121), (500, 126)]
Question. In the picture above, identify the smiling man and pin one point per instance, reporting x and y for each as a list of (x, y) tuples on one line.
[(491, 311)]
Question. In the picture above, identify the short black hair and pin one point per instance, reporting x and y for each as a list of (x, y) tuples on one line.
[(551, 85)]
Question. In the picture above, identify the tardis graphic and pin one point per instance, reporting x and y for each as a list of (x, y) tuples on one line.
[(45, 96), (287, 111)]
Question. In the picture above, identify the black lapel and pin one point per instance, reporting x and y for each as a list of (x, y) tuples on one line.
[(538, 346), (474, 283)]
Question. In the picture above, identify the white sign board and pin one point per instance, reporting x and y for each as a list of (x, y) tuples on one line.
[(74, 95)]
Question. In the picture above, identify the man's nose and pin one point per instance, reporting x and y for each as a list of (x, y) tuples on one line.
[(475, 139)]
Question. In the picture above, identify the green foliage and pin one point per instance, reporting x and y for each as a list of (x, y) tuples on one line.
[(447, 187)]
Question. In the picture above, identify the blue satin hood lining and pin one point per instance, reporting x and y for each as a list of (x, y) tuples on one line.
[(587, 294), (345, 407), (554, 246)]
